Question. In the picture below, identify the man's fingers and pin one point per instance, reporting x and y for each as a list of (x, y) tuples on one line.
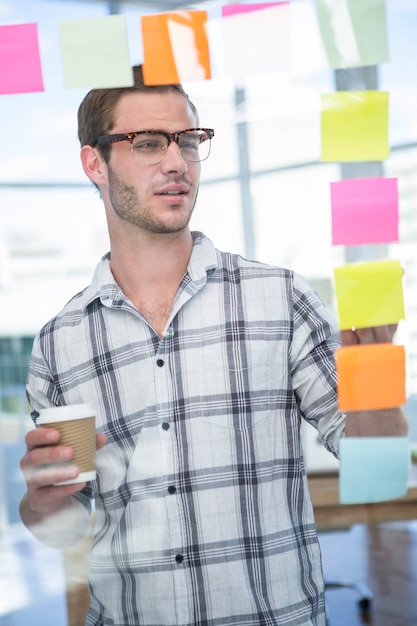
[(385, 334), (364, 336), (41, 437), (100, 440)]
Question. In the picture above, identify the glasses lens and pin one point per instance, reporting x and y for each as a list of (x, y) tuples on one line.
[(194, 146), (149, 149)]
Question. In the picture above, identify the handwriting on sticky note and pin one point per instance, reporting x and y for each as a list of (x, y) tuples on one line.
[(354, 126), (175, 47), (370, 376), (364, 211), (20, 61), (369, 294), (95, 52), (373, 469)]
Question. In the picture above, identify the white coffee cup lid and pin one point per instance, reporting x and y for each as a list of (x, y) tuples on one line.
[(66, 412)]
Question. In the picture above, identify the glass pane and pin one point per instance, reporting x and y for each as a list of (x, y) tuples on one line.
[(403, 166), (218, 215), (53, 233)]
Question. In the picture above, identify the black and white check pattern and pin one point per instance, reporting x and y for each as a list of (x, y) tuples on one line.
[(202, 505)]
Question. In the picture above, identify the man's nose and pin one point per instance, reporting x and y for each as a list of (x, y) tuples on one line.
[(174, 159)]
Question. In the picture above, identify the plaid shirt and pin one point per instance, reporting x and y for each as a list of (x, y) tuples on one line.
[(203, 515)]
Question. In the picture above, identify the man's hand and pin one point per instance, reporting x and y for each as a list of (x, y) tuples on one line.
[(383, 422), (49, 511), (374, 334)]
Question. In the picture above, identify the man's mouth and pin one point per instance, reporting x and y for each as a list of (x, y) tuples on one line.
[(173, 190)]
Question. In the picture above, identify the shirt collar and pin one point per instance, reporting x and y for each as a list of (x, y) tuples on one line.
[(203, 261), (203, 257)]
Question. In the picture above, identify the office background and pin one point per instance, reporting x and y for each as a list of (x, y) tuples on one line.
[(264, 194)]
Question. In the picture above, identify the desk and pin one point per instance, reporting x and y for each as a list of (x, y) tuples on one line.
[(331, 515), (373, 544)]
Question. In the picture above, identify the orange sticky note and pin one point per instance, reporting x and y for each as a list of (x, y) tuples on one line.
[(370, 376), (175, 47)]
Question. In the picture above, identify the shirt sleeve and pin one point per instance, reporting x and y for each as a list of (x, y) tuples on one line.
[(41, 393), (315, 339)]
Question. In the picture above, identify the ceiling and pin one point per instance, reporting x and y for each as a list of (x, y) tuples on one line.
[(158, 5)]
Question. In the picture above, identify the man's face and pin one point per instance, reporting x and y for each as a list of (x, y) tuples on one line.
[(156, 198)]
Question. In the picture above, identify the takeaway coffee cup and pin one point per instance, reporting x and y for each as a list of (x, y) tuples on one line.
[(77, 426)]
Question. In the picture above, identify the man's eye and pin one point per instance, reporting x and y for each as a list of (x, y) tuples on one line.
[(148, 145), (190, 144)]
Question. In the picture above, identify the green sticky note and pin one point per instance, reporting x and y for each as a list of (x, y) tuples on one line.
[(373, 469), (95, 52), (354, 126), (369, 294), (354, 32)]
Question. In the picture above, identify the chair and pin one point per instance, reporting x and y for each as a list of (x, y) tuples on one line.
[(365, 595)]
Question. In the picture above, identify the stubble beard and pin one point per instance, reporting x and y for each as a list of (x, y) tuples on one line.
[(128, 206)]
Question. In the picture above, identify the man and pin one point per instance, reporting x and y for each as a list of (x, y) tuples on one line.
[(200, 365)]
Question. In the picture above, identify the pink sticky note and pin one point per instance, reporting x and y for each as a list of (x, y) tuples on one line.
[(235, 9), (364, 211), (20, 62)]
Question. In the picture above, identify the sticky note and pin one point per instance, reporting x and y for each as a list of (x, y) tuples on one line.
[(370, 376), (364, 211), (354, 32), (369, 294), (20, 61), (95, 52), (373, 469), (256, 37), (175, 47), (305, 27), (354, 126)]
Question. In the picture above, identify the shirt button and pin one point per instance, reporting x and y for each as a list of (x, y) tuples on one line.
[(160, 362), (165, 426), (179, 558), (172, 489)]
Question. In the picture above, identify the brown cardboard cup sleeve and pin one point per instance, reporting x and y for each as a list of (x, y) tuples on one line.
[(77, 426)]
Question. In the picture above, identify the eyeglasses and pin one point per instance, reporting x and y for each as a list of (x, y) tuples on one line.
[(150, 146)]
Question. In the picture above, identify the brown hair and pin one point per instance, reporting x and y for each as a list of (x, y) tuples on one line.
[(96, 111)]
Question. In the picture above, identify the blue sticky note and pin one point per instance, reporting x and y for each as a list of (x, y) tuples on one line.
[(373, 469)]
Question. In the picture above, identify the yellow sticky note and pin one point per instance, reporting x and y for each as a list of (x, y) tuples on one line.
[(354, 126), (370, 376), (175, 47), (95, 52), (369, 294)]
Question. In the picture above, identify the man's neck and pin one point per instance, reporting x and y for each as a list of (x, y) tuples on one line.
[(149, 271)]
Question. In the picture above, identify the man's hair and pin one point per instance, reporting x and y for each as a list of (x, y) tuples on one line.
[(96, 112)]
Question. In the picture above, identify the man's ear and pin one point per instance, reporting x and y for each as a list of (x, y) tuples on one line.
[(94, 165)]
